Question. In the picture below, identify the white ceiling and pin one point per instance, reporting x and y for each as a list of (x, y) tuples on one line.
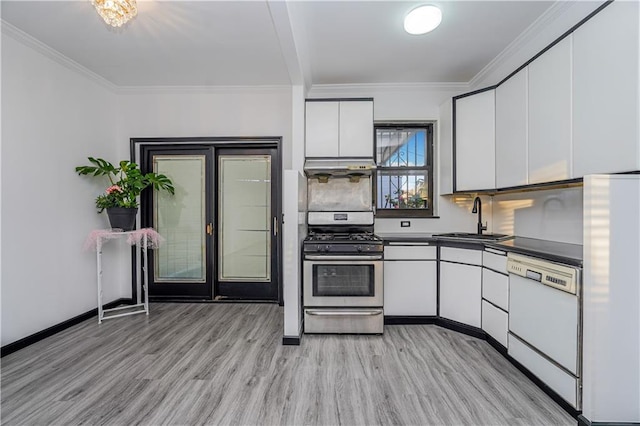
[(276, 42)]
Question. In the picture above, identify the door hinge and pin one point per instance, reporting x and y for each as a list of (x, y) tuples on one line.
[(209, 228)]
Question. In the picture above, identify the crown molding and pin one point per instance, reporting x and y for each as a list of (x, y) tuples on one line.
[(551, 14), (46, 50), (387, 87), (202, 90)]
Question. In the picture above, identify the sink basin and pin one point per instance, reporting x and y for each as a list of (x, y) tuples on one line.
[(474, 236)]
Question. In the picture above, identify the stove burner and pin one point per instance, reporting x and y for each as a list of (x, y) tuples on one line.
[(362, 237), (339, 237)]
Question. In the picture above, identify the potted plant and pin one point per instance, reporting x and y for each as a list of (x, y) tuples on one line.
[(120, 199)]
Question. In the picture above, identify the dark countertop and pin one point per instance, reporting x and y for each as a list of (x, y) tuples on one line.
[(408, 237), (550, 250), (566, 253)]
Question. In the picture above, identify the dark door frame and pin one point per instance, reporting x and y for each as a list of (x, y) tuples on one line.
[(242, 142)]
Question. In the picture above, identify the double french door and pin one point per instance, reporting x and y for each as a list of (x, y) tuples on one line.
[(220, 226)]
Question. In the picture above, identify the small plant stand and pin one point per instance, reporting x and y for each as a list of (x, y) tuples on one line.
[(144, 238)]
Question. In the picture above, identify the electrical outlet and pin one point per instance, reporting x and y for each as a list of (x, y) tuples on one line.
[(405, 223)]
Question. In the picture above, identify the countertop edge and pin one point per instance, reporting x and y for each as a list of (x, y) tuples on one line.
[(450, 242)]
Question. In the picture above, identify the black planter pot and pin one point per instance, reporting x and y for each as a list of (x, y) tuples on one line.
[(122, 218)]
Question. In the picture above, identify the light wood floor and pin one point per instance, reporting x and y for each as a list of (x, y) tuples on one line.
[(225, 364)]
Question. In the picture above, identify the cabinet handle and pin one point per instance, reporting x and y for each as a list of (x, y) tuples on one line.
[(275, 226), (209, 229)]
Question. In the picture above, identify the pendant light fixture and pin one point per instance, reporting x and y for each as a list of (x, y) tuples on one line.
[(422, 19), (116, 12)]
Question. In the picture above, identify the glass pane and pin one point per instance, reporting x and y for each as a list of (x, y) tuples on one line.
[(245, 217), (401, 147), (180, 219), (408, 190), (343, 280)]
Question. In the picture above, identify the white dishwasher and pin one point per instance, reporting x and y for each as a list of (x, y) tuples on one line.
[(545, 323)]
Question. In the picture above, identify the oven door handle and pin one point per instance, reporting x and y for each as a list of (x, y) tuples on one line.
[(373, 257), (329, 313)]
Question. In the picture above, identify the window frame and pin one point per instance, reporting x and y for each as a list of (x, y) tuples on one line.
[(427, 169)]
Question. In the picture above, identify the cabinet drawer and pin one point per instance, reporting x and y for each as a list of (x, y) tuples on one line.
[(471, 257), (495, 288), (495, 322), (410, 253), (494, 261)]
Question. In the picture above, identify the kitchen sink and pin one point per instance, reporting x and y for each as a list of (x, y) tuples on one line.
[(474, 236)]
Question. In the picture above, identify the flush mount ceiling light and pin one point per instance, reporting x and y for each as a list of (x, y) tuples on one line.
[(116, 12), (422, 19)]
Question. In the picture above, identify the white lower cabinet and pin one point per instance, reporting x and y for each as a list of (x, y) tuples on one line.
[(410, 288), (460, 293), (495, 288), (495, 322)]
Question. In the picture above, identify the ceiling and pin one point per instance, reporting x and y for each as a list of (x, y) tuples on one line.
[(276, 42)]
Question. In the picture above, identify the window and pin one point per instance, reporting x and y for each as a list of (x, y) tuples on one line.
[(404, 184)]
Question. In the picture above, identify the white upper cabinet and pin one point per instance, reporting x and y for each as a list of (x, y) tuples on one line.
[(356, 129), (550, 114), (605, 91), (475, 141), (511, 131), (321, 129), (339, 128)]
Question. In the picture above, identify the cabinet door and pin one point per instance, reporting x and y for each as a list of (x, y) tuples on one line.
[(511, 131), (321, 129), (605, 91), (475, 142), (410, 288), (550, 115), (356, 129), (460, 293), (495, 322)]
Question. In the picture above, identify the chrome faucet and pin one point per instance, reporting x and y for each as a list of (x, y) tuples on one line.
[(477, 208)]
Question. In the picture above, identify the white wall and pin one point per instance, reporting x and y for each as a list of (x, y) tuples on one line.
[(554, 215), (207, 112), (52, 119)]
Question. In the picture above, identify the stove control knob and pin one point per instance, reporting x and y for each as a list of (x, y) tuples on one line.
[(359, 248), (327, 248)]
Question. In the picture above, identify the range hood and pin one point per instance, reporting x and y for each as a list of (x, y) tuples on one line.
[(338, 167)]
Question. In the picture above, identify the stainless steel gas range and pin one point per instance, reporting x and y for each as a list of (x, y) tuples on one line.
[(342, 258)]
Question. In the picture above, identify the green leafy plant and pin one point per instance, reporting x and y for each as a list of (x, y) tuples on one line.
[(127, 182)]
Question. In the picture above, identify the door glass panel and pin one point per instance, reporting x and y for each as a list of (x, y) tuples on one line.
[(245, 218), (180, 219), (343, 280)]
